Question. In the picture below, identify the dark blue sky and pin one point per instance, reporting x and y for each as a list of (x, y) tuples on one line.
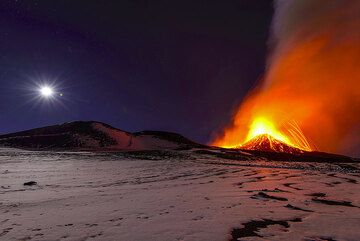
[(178, 66)]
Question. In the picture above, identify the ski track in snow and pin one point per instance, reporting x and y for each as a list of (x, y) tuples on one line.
[(98, 196)]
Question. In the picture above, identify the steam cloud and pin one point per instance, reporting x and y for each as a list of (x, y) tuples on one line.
[(312, 77)]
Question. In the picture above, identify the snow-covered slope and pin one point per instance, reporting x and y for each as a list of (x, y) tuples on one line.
[(91, 135), (181, 195)]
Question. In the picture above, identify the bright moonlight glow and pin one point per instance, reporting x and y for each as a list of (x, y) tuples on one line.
[(46, 91)]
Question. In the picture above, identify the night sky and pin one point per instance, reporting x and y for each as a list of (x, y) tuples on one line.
[(179, 66)]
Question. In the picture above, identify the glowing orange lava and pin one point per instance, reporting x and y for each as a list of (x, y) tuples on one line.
[(311, 87), (263, 126), (260, 126)]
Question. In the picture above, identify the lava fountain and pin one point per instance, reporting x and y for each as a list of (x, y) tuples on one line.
[(309, 97)]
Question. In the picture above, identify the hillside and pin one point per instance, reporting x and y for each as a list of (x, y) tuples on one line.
[(92, 135)]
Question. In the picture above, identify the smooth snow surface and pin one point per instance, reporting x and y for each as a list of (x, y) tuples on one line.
[(182, 195), (126, 141)]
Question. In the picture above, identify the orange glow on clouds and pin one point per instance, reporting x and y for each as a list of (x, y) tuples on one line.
[(311, 88)]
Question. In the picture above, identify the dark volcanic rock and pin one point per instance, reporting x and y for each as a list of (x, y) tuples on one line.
[(332, 202), (68, 135), (289, 206), (267, 196), (30, 183), (251, 228), (317, 194)]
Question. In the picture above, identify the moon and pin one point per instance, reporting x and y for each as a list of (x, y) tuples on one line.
[(46, 91)]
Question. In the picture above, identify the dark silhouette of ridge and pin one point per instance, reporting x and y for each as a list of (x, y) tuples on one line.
[(93, 135), (98, 136)]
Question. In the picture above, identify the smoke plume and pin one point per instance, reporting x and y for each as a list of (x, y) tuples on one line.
[(312, 76)]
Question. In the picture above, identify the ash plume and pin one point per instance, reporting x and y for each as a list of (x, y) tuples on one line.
[(312, 77)]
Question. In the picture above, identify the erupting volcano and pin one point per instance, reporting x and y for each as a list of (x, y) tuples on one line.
[(266, 142), (310, 92), (264, 136)]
